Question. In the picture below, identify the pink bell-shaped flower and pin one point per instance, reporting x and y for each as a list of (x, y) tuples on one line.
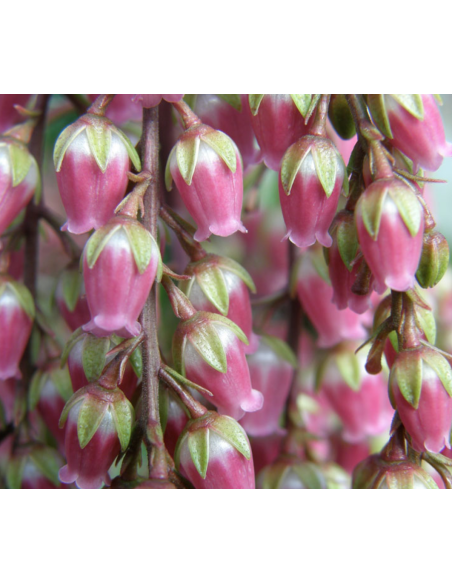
[(390, 224), (98, 425), (421, 386), (19, 179), (153, 99), (311, 178), (221, 285), (413, 125), (17, 312), (120, 263), (91, 159), (271, 370), (231, 114), (208, 349), (71, 298), (206, 166), (278, 122), (214, 453), (315, 294)]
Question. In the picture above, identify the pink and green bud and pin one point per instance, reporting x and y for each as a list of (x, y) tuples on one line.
[(33, 466), (231, 114), (390, 224), (434, 259), (98, 426), (288, 472), (209, 350), (71, 298), (311, 179), (152, 99), (17, 311), (421, 386), (278, 121), (206, 166), (120, 263), (413, 125), (92, 158), (19, 179), (271, 369), (214, 453), (221, 285)]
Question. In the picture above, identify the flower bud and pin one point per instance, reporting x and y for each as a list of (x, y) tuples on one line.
[(9, 116), (19, 179), (278, 122), (98, 425), (208, 349), (271, 370), (421, 385), (71, 298), (390, 225), (34, 466), (231, 115), (152, 99), (288, 472), (413, 125), (206, 167), (91, 159), (17, 312), (220, 285), (120, 263), (214, 453), (315, 294), (310, 182), (434, 259)]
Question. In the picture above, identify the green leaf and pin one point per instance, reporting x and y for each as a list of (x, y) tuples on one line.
[(408, 375), (408, 206), (371, 207), (24, 297), (232, 99), (123, 417), (89, 419), (99, 139), (347, 242), (441, 367), (131, 151), (48, 461), (71, 282), (37, 383), (281, 349), (15, 471), (198, 445), (325, 160), (207, 343), (223, 146), (411, 102), (233, 432), (94, 353), (21, 160), (98, 241), (255, 101), (187, 157), (377, 107), (62, 381), (212, 283), (230, 324), (65, 139), (168, 177), (349, 368), (141, 243), (238, 270), (291, 164), (302, 101)]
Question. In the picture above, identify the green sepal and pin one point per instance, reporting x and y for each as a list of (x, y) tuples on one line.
[(341, 117), (212, 283), (223, 146), (302, 101), (178, 349), (21, 161), (89, 419), (438, 98), (349, 368), (427, 323), (65, 139), (24, 297), (408, 206), (48, 461), (233, 432), (274, 475), (94, 353), (400, 479), (182, 437), (377, 107), (230, 324), (411, 102), (291, 164), (15, 471), (34, 392), (198, 445), (98, 241), (310, 475), (123, 416), (78, 396), (181, 379), (234, 267), (131, 151), (232, 99), (347, 242), (168, 176), (187, 157), (408, 375), (325, 160), (73, 339), (62, 381), (281, 349), (371, 206), (207, 343), (136, 361), (99, 139), (314, 101), (141, 243), (255, 101), (441, 367), (71, 283)]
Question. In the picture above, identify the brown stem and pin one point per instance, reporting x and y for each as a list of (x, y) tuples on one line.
[(191, 247), (181, 305), (318, 127), (194, 407), (100, 105), (188, 116)]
